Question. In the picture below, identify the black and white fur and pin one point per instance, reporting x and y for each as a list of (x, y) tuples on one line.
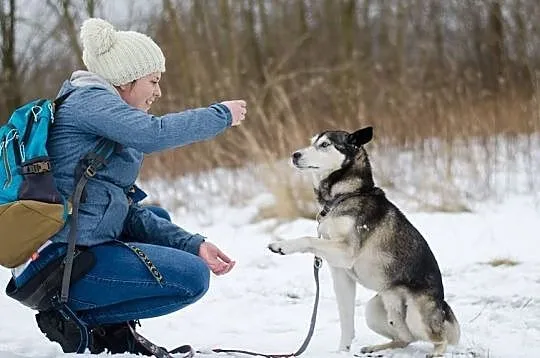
[(367, 240)]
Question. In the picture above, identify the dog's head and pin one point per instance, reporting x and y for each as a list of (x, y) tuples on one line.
[(331, 150)]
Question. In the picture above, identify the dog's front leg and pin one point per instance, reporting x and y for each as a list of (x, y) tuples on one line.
[(286, 247), (345, 289), (337, 253)]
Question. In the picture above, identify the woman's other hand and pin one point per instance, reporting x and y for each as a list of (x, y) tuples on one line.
[(238, 110), (217, 261)]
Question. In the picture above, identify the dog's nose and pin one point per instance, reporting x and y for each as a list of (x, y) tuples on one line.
[(296, 155)]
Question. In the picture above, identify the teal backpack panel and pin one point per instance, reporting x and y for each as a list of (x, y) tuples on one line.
[(31, 207), (23, 144)]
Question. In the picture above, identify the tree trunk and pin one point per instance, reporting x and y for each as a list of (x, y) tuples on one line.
[(495, 44), (10, 86), (522, 57), (66, 16)]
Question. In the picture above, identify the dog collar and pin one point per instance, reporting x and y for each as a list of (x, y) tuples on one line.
[(340, 198)]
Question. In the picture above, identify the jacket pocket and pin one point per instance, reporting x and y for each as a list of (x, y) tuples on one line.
[(112, 221)]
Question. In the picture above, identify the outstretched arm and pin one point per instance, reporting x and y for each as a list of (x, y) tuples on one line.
[(107, 115)]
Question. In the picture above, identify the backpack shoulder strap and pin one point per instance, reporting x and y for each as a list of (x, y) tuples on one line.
[(59, 100), (93, 161), (97, 158)]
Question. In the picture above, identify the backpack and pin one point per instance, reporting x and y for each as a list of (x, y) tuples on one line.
[(31, 208)]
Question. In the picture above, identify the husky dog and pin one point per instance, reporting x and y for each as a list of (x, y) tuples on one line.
[(367, 239)]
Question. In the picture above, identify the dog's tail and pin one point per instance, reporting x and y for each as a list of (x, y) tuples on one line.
[(451, 325)]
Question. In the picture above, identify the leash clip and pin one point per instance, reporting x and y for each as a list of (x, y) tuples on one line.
[(317, 262)]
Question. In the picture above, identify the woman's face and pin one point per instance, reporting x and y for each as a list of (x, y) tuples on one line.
[(143, 92)]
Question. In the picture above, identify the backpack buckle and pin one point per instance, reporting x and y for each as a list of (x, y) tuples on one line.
[(43, 167), (90, 172), (36, 168)]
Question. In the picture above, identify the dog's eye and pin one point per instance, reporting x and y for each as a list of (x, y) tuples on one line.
[(324, 144)]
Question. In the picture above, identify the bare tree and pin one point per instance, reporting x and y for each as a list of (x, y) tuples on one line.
[(91, 6), (10, 86), (258, 45), (63, 8), (495, 42), (521, 39)]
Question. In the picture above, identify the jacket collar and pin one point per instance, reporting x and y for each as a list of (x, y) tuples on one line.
[(85, 78)]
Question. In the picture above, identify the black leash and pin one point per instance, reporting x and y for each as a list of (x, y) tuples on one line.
[(317, 263), (189, 352), (160, 352)]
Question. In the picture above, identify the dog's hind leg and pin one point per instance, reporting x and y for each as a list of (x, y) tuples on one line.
[(426, 321), (345, 289), (385, 314), (396, 310), (380, 347), (439, 349)]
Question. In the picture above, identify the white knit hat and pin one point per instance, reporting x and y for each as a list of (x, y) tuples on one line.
[(119, 57)]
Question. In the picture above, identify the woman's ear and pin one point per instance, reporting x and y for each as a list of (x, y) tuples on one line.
[(126, 87), (122, 88)]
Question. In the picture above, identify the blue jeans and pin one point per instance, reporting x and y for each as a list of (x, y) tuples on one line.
[(120, 287)]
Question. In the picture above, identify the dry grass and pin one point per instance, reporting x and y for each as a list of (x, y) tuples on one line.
[(293, 196), (446, 111), (502, 261), (461, 138)]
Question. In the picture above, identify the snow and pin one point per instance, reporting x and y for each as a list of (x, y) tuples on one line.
[(265, 303)]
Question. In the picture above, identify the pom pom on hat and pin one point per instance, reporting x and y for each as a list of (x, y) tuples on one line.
[(120, 57), (97, 36)]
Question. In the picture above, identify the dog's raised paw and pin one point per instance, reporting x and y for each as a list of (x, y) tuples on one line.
[(276, 248)]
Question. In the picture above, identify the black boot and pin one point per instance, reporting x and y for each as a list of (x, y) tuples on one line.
[(113, 338), (58, 329), (116, 338)]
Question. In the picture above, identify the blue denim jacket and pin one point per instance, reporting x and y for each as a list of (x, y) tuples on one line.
[(95, 110)]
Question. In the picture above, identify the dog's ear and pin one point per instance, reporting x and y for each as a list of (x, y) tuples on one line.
[(361, 136)]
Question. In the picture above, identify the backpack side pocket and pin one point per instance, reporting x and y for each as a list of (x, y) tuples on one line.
[(38, 182), (26, 225)]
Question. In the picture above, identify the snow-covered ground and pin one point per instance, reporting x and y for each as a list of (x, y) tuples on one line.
[(265, 303)]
